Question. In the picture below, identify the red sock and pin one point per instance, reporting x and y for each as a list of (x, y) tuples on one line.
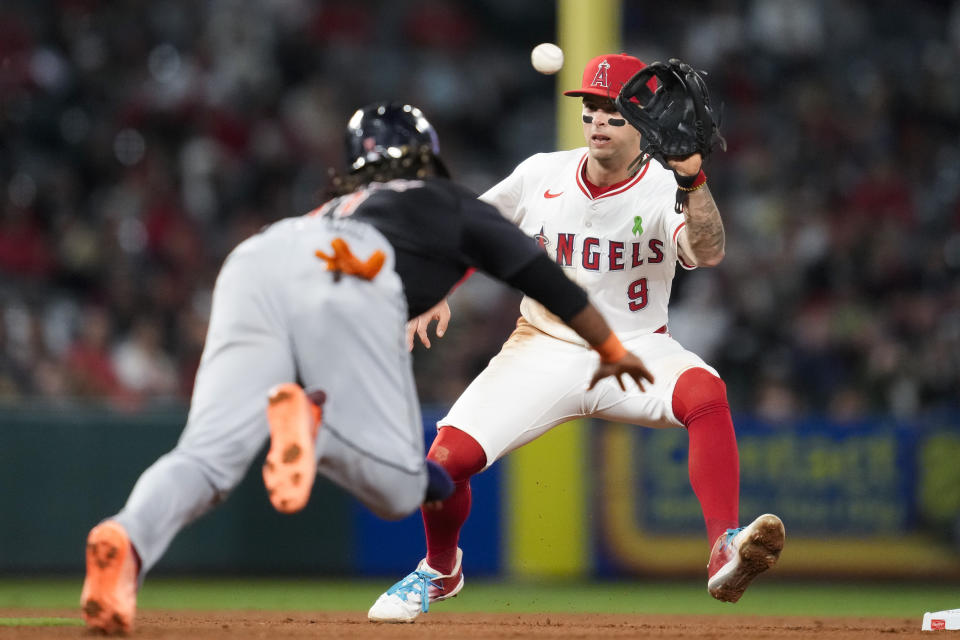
[(462, 457), (700, 403)]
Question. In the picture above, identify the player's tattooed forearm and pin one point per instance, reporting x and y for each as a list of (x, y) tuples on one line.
[(704, 226)]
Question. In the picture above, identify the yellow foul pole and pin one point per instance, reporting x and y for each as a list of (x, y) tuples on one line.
[(585, 29), (547, 525)]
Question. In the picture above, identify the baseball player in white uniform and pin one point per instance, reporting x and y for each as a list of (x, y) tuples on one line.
[(613, 229), (295, 303)]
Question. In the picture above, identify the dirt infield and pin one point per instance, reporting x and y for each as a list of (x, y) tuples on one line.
[(239, 625)]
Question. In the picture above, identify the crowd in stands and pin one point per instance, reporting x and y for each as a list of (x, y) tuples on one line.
[(140, 142)]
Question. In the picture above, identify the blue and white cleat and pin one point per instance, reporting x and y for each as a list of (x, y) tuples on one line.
[(740, 555), (404, 601)]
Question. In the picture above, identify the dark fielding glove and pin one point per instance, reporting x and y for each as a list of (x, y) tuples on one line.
[(676, 120)]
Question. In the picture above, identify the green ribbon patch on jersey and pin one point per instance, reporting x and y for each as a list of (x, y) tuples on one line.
[(637, 225)]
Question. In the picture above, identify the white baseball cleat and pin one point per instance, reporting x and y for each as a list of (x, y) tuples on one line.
[(740, 555), (404, 601)]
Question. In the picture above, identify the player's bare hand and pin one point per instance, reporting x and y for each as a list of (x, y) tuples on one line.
[(629, 365), (686, 165), (439, 312)]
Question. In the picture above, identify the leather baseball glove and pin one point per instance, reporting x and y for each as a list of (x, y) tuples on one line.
[(677, 119)]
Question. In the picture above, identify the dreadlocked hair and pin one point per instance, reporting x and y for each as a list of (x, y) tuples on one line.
[(419, 163)]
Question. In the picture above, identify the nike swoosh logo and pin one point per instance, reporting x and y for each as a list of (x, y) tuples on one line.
[(547, 194)]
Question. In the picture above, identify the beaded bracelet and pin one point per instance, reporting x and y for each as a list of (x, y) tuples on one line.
[(686, 184)]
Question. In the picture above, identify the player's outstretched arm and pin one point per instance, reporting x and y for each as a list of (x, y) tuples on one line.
[(679, 127), (615, 360), (702, 239), (543, 280), (418, 326)]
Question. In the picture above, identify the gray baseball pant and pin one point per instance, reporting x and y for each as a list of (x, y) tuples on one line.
[(279, 316)]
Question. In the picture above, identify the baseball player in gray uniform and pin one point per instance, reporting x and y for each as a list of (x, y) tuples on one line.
[(295, 305), (613, 227)]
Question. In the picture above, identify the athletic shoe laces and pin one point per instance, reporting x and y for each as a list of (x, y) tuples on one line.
[(730, 535), (417, 582)]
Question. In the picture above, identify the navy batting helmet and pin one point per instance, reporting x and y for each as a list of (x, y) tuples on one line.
[(385, 131)]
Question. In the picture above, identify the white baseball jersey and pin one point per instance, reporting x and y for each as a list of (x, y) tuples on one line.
[(621, 247)]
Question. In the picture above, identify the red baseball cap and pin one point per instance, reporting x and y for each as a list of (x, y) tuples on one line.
[(605, 75)]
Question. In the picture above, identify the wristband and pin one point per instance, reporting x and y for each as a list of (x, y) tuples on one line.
[(685, 185), (611, 349), (690, 183)]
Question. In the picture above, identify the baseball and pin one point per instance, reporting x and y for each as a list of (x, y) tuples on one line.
[(547, 58)]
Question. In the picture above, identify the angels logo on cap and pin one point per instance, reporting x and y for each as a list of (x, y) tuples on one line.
[(600, 77), (604, 75)]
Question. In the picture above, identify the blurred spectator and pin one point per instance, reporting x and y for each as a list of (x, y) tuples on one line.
[(89, 368), (24, 247), (142, 365), (14, 374)]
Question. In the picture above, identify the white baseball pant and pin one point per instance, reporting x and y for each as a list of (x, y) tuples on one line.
[(537, 382)]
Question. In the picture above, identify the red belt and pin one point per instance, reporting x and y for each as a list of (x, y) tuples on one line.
[(662, 329)]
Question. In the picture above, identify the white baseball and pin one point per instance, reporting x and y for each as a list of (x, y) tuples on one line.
[(547, 58)]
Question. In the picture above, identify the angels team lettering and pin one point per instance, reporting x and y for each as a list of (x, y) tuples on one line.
[(619, 255)]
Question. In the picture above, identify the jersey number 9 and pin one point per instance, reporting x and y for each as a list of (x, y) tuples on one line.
[(637, 292)]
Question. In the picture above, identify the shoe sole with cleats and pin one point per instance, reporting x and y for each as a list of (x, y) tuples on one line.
[(108, 601), (291, 466), (757, 553)]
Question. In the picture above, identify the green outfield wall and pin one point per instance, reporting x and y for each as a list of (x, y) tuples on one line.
[(64, 469)]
